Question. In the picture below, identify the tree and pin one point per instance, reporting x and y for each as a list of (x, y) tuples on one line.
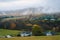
[(28, 27), (57, 29), (12, 25), (54, 29), (36, 30), (6, 25)]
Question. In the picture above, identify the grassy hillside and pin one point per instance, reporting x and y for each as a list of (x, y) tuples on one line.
[(34, 38), (4, 32)]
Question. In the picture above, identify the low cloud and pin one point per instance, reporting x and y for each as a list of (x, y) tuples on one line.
[(20, 4)]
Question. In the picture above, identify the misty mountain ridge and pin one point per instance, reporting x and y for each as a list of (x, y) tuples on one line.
[(26, 11)]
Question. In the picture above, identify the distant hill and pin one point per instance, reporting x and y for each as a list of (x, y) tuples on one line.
[(21, 12)]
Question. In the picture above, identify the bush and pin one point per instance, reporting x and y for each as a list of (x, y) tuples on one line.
[(36, 30), (18, 35)]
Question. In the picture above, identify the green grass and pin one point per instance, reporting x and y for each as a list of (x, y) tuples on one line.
[(4, 32), (58, 33), (34, 38)]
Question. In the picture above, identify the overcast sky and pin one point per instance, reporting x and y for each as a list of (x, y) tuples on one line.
[(51, 5)]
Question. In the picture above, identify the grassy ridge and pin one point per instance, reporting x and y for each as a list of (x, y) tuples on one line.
[(34, 38), (4, 32)]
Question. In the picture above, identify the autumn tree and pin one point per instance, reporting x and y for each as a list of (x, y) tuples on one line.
[(36, 30), (28, 27), (12, 25), (56, 29)]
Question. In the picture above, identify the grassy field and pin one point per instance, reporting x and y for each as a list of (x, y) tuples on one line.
[(34, 38), (4, 32)]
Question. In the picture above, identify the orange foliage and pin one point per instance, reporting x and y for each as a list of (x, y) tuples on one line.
[(28, 24), (13, 25)]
